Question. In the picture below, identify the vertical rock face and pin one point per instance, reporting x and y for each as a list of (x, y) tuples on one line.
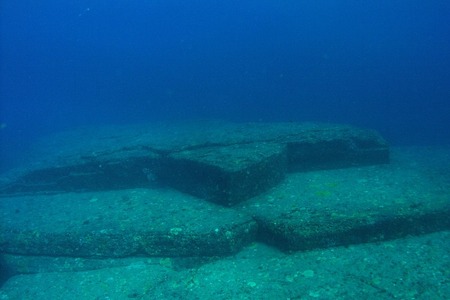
[(335, 148), (222, 163)]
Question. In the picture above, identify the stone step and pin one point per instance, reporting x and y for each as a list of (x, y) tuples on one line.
[(410, 268), (328, 208), (150, 222)]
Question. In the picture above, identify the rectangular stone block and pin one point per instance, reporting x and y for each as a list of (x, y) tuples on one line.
[(225, 175)]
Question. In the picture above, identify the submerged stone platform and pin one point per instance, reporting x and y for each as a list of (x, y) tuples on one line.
[(185, 195), (219, 162)]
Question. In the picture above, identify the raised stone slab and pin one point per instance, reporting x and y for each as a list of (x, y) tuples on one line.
[(151, 222), (222, 162), (349, 206)]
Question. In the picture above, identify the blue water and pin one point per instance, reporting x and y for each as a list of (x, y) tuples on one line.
[(378, 64)]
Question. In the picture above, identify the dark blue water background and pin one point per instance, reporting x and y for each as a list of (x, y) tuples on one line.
[(378, 64)]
